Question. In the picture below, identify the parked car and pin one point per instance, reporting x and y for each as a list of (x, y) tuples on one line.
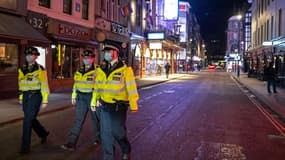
[(219, 68), (211, 66)]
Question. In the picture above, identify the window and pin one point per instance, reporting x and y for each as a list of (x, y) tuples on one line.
[(44, 3), (280, 22), (9, 4), (85, 5), (8, 58), (67, 6), (271, 27), (65, 61), (267, 30)]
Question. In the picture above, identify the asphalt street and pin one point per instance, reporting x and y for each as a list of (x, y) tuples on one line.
[(205, 116)]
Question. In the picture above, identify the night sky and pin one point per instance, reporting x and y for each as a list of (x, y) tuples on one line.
[(213, 15)]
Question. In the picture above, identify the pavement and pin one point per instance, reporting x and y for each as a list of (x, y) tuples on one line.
[(11, 112), (275, 102)]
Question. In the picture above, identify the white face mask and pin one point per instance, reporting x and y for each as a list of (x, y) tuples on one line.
[(29, 58), (86, 61), (108, 56)]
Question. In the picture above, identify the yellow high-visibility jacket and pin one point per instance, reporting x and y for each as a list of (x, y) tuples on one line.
[(119, 84), (34, 79), (83, 81)]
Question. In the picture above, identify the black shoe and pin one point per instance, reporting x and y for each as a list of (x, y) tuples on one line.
[(25, 151), (68, 147), (44, 139), (126, 156)]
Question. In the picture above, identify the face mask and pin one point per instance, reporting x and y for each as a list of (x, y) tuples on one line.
[(108, 56), (86, 61), (29, 58)]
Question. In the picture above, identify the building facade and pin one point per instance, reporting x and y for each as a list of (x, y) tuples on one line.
[(235, 43), (268, 35), (68, 25), (15, 35)]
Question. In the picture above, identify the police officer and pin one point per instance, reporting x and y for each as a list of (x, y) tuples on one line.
[(115, 89), (81, 97), (34, 91)]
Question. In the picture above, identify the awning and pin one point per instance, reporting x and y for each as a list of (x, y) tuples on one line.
[(16, 28)]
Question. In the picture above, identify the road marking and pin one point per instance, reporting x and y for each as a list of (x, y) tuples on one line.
[(221, 151), (271, 118)]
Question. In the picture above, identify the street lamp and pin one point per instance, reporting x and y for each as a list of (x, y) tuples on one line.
[(239, 17)]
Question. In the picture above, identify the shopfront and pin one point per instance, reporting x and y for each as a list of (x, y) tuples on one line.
[(15, 36), (68, 41)]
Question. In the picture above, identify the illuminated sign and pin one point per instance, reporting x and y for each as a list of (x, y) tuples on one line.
[(155, 36), (183, 33), (170, 9), (155, 45), (184, 6)]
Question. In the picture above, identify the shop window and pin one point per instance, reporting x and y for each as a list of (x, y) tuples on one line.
[(9, 4), (8, 58), (44, 3), (85, 9), (65, 61), (67, 6)]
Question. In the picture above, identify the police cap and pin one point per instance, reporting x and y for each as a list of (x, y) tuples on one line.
[(88, 53), (32, 50), (110, 47)]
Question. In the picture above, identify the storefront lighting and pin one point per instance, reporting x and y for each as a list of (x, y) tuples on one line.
[(155, 45), (59, 54), (147, 53), (267, 43)]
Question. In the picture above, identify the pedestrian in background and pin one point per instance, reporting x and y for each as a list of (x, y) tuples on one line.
[(81, 97), (270, 76), (115, 91), (34, 91), (167, 68)]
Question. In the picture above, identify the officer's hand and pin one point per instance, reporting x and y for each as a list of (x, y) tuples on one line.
[(93, 108), (20, 102), (44, 105), (98, 104), (134, 111), (73, 101)]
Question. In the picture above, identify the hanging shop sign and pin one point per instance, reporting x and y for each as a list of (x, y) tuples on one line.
[(155, 36), (119, 29), (106, 25)]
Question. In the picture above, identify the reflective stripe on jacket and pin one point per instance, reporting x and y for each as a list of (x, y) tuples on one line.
[(119, 85), (35, 80), (83, 82)]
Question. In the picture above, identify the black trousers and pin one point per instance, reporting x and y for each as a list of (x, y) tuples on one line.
[(31, 106)]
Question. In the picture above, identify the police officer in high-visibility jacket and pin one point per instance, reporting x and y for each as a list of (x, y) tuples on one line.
[(34, 91), (115, 91), (81, 97)]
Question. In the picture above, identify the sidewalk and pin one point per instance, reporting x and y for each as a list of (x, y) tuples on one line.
[(276, 102), (11, 111)]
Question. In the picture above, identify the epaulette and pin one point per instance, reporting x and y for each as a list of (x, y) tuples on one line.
[(41, 67), (24, 69), (81, 69), (103, 65)]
